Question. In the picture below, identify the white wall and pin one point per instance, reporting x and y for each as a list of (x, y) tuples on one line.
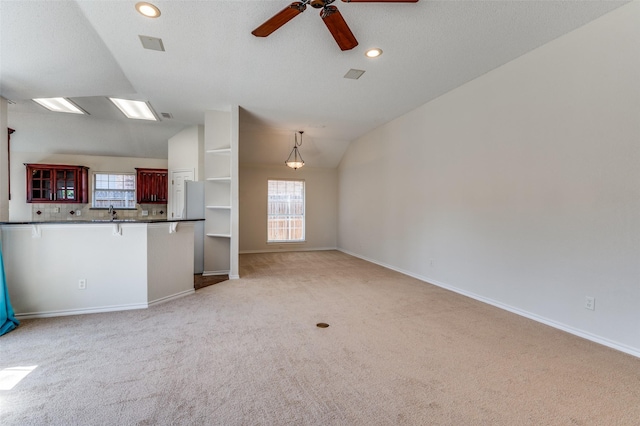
[(169, 260), (520, 188), (20, 210), (186, 154), (321, 187), (186, 151), (43, 271)]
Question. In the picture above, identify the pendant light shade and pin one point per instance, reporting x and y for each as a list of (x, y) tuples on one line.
[(295, 160)]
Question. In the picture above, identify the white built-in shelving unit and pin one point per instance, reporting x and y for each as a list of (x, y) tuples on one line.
[(221, 193)]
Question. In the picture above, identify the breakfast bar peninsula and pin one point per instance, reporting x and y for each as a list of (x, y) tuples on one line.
[(74, 267)]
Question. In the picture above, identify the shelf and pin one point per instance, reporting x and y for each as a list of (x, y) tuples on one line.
[(219, 235), (219, 151), (220, 179), (219, 207)]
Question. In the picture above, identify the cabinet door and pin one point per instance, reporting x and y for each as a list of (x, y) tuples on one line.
[(152, 186), (39, 184), (65, 182), (144, 187), (162, 187)]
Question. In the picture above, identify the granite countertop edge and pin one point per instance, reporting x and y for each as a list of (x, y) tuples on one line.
[(97, 221)]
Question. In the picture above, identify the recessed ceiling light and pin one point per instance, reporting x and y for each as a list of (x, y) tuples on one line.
[(147, 9), (59, 105), (137, 110), (373, 53)]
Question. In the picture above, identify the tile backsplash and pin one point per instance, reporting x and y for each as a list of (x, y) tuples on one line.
[(55, 212)]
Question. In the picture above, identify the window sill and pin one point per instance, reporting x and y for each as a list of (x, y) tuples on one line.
[(286, 242)]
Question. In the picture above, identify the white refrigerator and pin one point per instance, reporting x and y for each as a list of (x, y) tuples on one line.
[(194, 209)]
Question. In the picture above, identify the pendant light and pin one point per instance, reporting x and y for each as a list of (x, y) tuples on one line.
[(295, 160)]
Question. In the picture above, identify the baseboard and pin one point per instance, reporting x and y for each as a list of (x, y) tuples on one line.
[(171, 297), (208, 273), (551, 323), (102, 309), (287, 249), (65, 312)]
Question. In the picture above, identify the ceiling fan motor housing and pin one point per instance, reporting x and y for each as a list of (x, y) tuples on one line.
[(319, 4)]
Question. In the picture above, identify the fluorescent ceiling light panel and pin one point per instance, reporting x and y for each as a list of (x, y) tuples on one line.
[(59, 105), (137, 110)]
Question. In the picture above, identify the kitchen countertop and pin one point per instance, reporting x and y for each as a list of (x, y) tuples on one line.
[(96, 221)]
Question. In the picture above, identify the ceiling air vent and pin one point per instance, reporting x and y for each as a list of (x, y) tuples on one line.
[(354, 74), (152, 43), (166, 115)]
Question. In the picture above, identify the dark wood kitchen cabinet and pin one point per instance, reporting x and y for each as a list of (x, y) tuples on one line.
[(57, 183), (152, 186)]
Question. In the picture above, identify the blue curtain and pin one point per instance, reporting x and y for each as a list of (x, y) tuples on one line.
[(8, 319)]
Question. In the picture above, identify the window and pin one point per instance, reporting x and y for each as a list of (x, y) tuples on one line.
[(285, 211), (114, 189)]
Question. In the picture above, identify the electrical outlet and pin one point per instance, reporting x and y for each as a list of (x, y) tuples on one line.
[(82, 284), (590, 303), (78, 212), (145, 213), (154, 212), (56, 209)]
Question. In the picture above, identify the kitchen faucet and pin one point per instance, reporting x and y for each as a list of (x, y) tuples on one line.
[(112, 213)]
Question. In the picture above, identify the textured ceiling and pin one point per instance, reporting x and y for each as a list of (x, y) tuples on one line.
[(291, 80)]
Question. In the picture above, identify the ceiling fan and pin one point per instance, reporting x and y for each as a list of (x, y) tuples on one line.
[(330, 15)]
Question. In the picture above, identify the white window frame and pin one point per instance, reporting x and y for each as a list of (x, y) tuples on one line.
[(289, 216), (132, 203)]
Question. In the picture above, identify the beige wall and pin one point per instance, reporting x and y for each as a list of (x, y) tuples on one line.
[(520, 188), (321, 187)]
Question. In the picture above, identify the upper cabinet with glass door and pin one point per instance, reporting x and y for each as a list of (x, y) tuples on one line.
[(57, 183)]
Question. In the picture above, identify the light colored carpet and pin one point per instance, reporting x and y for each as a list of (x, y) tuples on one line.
[(248, 352)]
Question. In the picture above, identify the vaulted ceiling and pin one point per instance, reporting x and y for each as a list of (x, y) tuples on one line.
[(292, 80)]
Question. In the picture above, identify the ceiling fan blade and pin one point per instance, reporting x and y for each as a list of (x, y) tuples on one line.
[(338, 27), (279, 19), (380, 1)]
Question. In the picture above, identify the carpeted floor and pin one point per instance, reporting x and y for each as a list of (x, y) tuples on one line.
[(248, 352)]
